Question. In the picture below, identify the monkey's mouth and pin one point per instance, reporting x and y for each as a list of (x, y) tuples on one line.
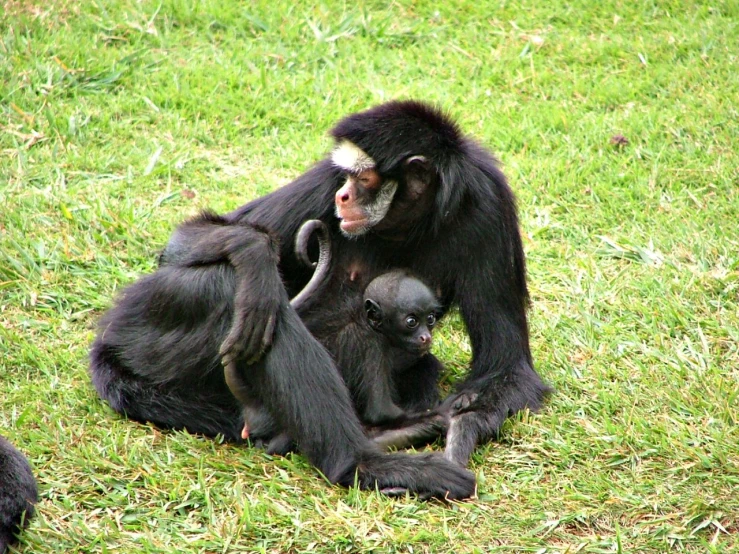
[(423, 350), (354, 226)]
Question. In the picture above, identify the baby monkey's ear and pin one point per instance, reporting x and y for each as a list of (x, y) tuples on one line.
[(374, 313)]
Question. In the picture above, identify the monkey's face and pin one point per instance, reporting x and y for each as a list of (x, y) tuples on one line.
[(404, 310), (410, 331), (413, 331), (363, 201), (367, 198)]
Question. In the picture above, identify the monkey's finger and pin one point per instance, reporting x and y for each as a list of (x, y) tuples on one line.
[(231, 343), (281, 445), (398, 492), (227, 352), (458, 402), (255, 358), (260, 339), (253, 350), (224, 350), (249, 334), (269, 331), (229, 357), (464, 401)]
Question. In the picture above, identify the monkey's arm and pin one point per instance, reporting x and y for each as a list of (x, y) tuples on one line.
[(502, 374), (418, 385), (412, 431), (416, 429), (366, 370), (252, 254)]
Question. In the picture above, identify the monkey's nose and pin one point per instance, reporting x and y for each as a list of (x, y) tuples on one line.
[(425, 339), (342, 197)]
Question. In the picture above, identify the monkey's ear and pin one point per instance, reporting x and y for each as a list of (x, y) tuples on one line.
[(418, 175), (417, 159), (374, 313)]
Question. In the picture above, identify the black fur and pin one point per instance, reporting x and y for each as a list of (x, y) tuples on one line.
[(18, 493), (466, 243), (452, 222), (377, 354), (156, 358), (379, 372)]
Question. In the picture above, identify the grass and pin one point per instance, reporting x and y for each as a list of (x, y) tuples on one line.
[(120, 118)]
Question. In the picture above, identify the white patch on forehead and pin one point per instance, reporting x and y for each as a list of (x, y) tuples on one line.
[(349, 157)]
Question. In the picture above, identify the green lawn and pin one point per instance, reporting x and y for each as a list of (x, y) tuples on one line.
[(119, 119)]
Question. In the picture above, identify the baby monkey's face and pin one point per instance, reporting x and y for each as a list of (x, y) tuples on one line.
[(405, 313)]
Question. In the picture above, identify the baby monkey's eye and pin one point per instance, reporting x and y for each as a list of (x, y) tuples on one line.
[(411, 322), (431, 320)]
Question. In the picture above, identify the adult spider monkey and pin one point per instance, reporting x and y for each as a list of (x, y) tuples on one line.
[(403, 188)]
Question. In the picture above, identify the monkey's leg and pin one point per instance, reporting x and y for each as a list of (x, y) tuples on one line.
[(155, 357), (253, 255)]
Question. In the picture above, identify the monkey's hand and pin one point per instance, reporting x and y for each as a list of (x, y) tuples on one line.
[(457, 403), (251, 332), (254, 255), (479, 417)]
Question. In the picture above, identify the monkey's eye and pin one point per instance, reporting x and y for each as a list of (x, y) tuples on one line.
[(368, 179), (431, 320), (411, 322)]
